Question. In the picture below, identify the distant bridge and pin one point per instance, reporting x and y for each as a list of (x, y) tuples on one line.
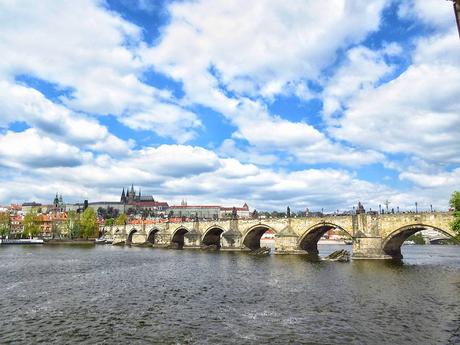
[(375, 236)]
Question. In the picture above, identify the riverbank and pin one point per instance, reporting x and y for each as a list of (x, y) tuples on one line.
[(68, 241)]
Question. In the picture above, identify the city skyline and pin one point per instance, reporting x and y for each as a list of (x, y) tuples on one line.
[(302, 104)]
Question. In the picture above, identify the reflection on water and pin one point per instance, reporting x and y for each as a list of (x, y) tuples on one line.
[(116, 295)]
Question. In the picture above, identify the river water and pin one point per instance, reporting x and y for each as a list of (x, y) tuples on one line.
[(128, 295)]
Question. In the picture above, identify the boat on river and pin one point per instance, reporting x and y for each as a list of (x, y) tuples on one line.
[(21, 241), (103, 240)]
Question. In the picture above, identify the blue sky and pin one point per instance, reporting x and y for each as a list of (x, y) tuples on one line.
[(305, 103)]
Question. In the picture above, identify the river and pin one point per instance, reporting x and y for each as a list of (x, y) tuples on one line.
[(128, 295)]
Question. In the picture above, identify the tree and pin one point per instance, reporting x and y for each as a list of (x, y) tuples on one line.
[(255, 214), (73, 225), (109, 222), (455, 204), (455, 201), (417, 238), (112, 212), (121, 219), (88, 223), (31, 224), (55, 230), (4, 224), (102, 212)]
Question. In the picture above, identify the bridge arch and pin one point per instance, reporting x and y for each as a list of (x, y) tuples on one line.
[(129, 238), (152, 235), (309, 240), (391, 245), (252, 236), (178, 237), (212, 236)]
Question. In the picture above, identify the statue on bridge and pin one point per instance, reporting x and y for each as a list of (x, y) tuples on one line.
[(234, 213), (360, 209), (288, 212)]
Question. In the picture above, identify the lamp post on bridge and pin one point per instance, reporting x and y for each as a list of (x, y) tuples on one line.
[(387, 203)]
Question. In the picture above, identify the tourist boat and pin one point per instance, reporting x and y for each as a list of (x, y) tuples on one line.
[(21, 241), (103, 240), (348, 241)]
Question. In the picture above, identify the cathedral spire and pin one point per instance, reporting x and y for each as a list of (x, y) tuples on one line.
[(123, 197)]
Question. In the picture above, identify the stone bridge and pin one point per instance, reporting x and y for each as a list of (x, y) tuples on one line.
[(374, 236)]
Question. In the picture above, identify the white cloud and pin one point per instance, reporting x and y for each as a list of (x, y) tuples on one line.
[(90, 52), (437, 13), (21, 103), (362, 69), (173, 172), (258, 45), (416, 113), (164, 119), (447, 180), (261, 49), (30, 150)]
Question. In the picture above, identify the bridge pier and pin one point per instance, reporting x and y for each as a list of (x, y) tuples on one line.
[(163, 238), (231, 240), (368, 248), (286, 242), (138, 238)]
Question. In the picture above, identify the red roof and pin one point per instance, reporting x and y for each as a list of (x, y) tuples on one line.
[(197, 206), (149, 203)]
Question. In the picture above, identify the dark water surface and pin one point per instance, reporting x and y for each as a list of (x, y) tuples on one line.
[(116, 295)]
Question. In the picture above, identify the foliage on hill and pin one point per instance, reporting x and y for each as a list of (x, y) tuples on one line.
[(455, 205)]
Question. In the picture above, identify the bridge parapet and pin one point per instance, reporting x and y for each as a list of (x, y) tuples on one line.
[(390, 223)]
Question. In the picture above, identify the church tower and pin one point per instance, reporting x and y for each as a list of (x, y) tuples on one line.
[(123, 196)]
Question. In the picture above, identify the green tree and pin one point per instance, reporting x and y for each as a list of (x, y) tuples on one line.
[(73, 225), (5, 224), (121, 219), (455, 201), (109, 222), (31, 224), (455, 205), (417, 238), (88, 223), (55, 230)]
